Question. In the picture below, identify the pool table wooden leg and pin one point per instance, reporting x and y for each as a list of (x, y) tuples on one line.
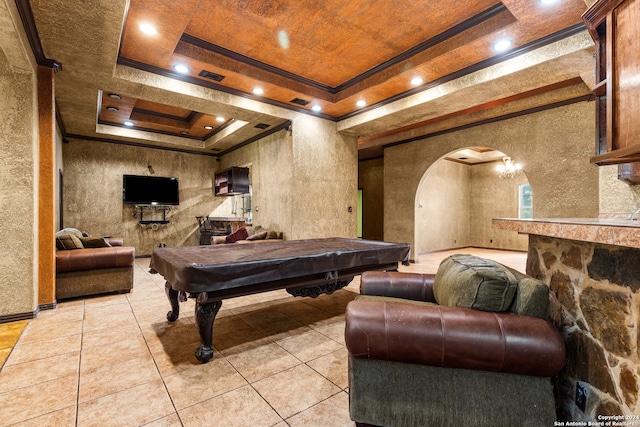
[(172, 294), (205, 315)]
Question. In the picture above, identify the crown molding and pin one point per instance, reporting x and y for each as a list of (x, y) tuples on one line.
[(29, 24)]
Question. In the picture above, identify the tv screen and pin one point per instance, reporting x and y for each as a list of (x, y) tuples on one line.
[(149, 190)]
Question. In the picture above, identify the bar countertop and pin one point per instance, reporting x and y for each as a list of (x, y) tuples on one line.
[(609, 231)]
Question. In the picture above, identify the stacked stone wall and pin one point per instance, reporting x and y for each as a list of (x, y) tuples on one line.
[(595, 302)]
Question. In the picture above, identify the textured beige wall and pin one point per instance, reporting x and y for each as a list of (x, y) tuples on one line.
[(270, 160), (93, 192), (325, 180), (492, 197), (371, 180), (443, 207), (458, 202), (18, 201), (616, 197), (303, 180), (554, 147)]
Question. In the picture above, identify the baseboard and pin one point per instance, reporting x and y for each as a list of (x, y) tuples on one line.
[(472, 247), (8, 318), (50, 306)]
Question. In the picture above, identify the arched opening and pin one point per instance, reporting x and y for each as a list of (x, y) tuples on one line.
[(460, 194)]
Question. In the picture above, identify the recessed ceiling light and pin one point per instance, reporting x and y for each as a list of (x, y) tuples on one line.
[(548, 1), (416, 81), (258, 90), (184, 132), (361, 103), (316, 108), (128, 123), (208, 127), (114, 109), (502, 45), (219, 119), (181, 68), (114, 96), (148, 29)]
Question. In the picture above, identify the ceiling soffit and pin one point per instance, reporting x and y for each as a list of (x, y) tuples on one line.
[(149, 116)]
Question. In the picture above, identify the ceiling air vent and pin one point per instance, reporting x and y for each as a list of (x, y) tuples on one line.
[(262, 125), (210, 75), (300, 101)]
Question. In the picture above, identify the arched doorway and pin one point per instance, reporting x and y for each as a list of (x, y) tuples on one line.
[(457, 198)]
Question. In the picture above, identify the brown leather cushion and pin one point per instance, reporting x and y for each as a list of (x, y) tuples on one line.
[(469, 281), (451, 337), (95, 258)]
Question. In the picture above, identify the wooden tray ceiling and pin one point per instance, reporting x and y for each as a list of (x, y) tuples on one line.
[(329, 53), (116, 109), (335, 55)]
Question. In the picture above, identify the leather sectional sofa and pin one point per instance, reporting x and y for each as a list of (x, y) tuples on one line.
[(88, 266)]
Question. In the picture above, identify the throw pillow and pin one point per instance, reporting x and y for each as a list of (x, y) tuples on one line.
[(474, 282), (272, 234), (532, 296), (70, 230), (94, 242), (67, 241), (239, 234), (258, 236)]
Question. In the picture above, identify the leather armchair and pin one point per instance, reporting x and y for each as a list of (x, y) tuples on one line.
[(413, 362)]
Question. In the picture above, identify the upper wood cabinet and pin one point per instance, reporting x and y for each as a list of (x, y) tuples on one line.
[(232, 181), (614, 25)]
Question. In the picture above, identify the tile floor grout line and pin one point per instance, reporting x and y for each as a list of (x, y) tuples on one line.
[(84, 305), (325, 308), (267, 402), (316, 404), (155, 364)]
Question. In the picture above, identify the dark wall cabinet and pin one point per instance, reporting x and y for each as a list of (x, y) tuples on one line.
[(614, 25), (232, 181)]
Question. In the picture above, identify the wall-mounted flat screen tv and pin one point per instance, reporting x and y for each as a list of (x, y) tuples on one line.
[(149, 190)]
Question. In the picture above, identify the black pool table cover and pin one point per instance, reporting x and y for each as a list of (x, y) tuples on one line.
[(196, 269)]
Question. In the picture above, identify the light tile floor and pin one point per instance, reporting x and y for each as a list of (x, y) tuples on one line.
[(115, 361)]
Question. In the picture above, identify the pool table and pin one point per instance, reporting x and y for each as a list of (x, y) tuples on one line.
[(309, 267)]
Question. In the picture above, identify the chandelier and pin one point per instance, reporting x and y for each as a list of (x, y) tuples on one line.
[(508, 169)]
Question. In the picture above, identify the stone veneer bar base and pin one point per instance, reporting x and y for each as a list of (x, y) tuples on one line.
[(595, 301), (592, 267)]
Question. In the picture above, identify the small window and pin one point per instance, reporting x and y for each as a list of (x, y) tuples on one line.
[(525, 202)]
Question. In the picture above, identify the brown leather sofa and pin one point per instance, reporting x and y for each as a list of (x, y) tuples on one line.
[(85, 271), (414, 362)]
